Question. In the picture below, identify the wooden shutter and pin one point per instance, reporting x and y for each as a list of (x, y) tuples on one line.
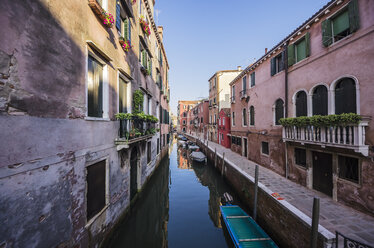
[(291, 54), (354, 18), (307, 44), (279, 111), (129, 24), (118, 16), (282, 60), (326, 33), (126, 29), (272, 66), (253, 78)]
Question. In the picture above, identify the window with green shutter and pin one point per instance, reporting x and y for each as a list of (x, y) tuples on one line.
[(276, 64), (342, 24), (300, 50), (253, 77)]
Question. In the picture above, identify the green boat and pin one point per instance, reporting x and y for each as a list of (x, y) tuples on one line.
[(244, 231)]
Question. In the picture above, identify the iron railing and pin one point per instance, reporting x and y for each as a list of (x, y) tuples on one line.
[(349, 243), (243, 93), (130, 129)]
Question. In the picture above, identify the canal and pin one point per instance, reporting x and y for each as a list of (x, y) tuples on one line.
[(179, 207)]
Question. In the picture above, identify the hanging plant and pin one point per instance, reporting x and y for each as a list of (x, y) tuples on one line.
[(137, 98), (145, 26), (108, 19), (125, 44)]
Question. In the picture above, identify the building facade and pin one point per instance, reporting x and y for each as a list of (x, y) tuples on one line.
[(320, 69), (219, 97), (68, 168), (182, 114), (224, 136)]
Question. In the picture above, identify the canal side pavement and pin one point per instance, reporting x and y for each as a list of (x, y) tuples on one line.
[(299, 199)]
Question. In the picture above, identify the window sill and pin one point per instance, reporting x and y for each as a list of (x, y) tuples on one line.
[(303, 167), (264, 154), (339, 41), (88, 118), (93, 219), (347, 181)]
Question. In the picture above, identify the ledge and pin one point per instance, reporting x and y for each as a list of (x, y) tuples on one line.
[(122, 143)]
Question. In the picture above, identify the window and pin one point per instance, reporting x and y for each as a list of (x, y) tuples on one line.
[(233, 118), (276, 64), (123, 22), (345, 96), (184, 122), (279, 111), (301, 49), (215, 82), (341, 25), (201, 120), (253, 77), (210, 119), (233, 91), (244, 116), (265, 148), (252, 116), (223, 121), (94, 88), (300, 157), (158, 145), (96, 175), (244, 83), (215, 118), (301, 104), (214, 100), (149, 152), (122, 96), (320, 101), (349, 169), (184, 114)]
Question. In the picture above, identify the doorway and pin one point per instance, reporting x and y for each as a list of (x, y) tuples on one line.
[(322, 172), (245, 147), (133, 172)]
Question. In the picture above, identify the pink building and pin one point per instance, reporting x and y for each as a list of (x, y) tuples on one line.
[(322, 68), (183, 109), (224, 128)]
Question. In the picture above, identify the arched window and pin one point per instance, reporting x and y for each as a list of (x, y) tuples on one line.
[(320, 101), (279, 111), (244, 117), (252, 116), (301, 104), (345, 96)]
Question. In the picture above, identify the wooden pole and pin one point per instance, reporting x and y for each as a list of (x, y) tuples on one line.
[(255, 195), (315, 220), (223, 163)]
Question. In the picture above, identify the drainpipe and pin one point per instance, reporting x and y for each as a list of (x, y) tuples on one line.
[(285, 61)]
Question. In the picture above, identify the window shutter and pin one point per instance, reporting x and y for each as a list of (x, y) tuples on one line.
[(307, 44), (354, 19), (253, 78), (283, 55), (272, 66), (150, 65), (118, 16), (144, 59), (291, 54), (129, 24), (326, 33), (126, 29)]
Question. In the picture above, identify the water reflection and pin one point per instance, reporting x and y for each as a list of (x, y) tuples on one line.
[(147, 224)]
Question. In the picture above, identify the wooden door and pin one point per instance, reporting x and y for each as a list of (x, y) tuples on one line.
[(322, 172)]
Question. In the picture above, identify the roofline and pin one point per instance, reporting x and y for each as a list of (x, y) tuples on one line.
[(223, 72), (287, 39)]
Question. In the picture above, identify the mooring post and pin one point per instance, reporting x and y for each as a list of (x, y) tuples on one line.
[(255, 195), (315, 220), (223, 163), (215, 157)]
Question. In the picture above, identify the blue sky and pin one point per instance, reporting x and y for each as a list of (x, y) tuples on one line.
[(205, 36)]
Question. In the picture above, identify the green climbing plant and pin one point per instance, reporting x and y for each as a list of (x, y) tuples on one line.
[(321, 120), (137, 98)]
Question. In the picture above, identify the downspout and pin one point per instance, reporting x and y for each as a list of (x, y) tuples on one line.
[(285, 61)]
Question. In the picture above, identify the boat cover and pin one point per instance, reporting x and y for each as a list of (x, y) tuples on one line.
[(244, 231), (198, 156)]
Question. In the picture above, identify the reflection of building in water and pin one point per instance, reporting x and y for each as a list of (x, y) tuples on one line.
[(183, 162), (148, 217)]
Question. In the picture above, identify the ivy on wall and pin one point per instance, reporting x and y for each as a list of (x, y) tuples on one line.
[(138, 99)]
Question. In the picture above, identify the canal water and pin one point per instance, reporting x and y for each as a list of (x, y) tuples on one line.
[(179, 207)]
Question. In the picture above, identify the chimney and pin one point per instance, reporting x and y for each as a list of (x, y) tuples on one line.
[(239, 68), (266, 50), (160, 31)]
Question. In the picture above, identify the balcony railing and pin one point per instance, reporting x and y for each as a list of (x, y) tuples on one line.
[(232, 99), (243, 94), (131, 131), (342, 136)]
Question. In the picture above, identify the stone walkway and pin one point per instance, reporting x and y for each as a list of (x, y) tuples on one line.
[(333, 215)]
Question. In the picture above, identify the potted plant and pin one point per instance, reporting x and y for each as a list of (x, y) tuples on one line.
[(108, 19), (125, 44), (145, 26)]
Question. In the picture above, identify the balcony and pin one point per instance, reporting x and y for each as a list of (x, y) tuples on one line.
[(232, 99), (351, 136), (132, 131), (243, 94)]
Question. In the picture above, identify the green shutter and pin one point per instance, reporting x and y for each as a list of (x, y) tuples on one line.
[(126, 29), (300, 50), (307, 44), (354, 18), (150, 65), (272, 66), (291, 54), (340, 23), (326, 33), (144, 56)]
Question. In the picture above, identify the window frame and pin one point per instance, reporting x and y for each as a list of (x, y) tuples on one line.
[(296, 160), (359, 170), (268, 149)]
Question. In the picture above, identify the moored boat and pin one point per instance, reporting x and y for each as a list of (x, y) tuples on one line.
[(244, 231), (198, 157)]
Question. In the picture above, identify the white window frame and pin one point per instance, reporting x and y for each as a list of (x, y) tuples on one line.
[(128, 93)]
